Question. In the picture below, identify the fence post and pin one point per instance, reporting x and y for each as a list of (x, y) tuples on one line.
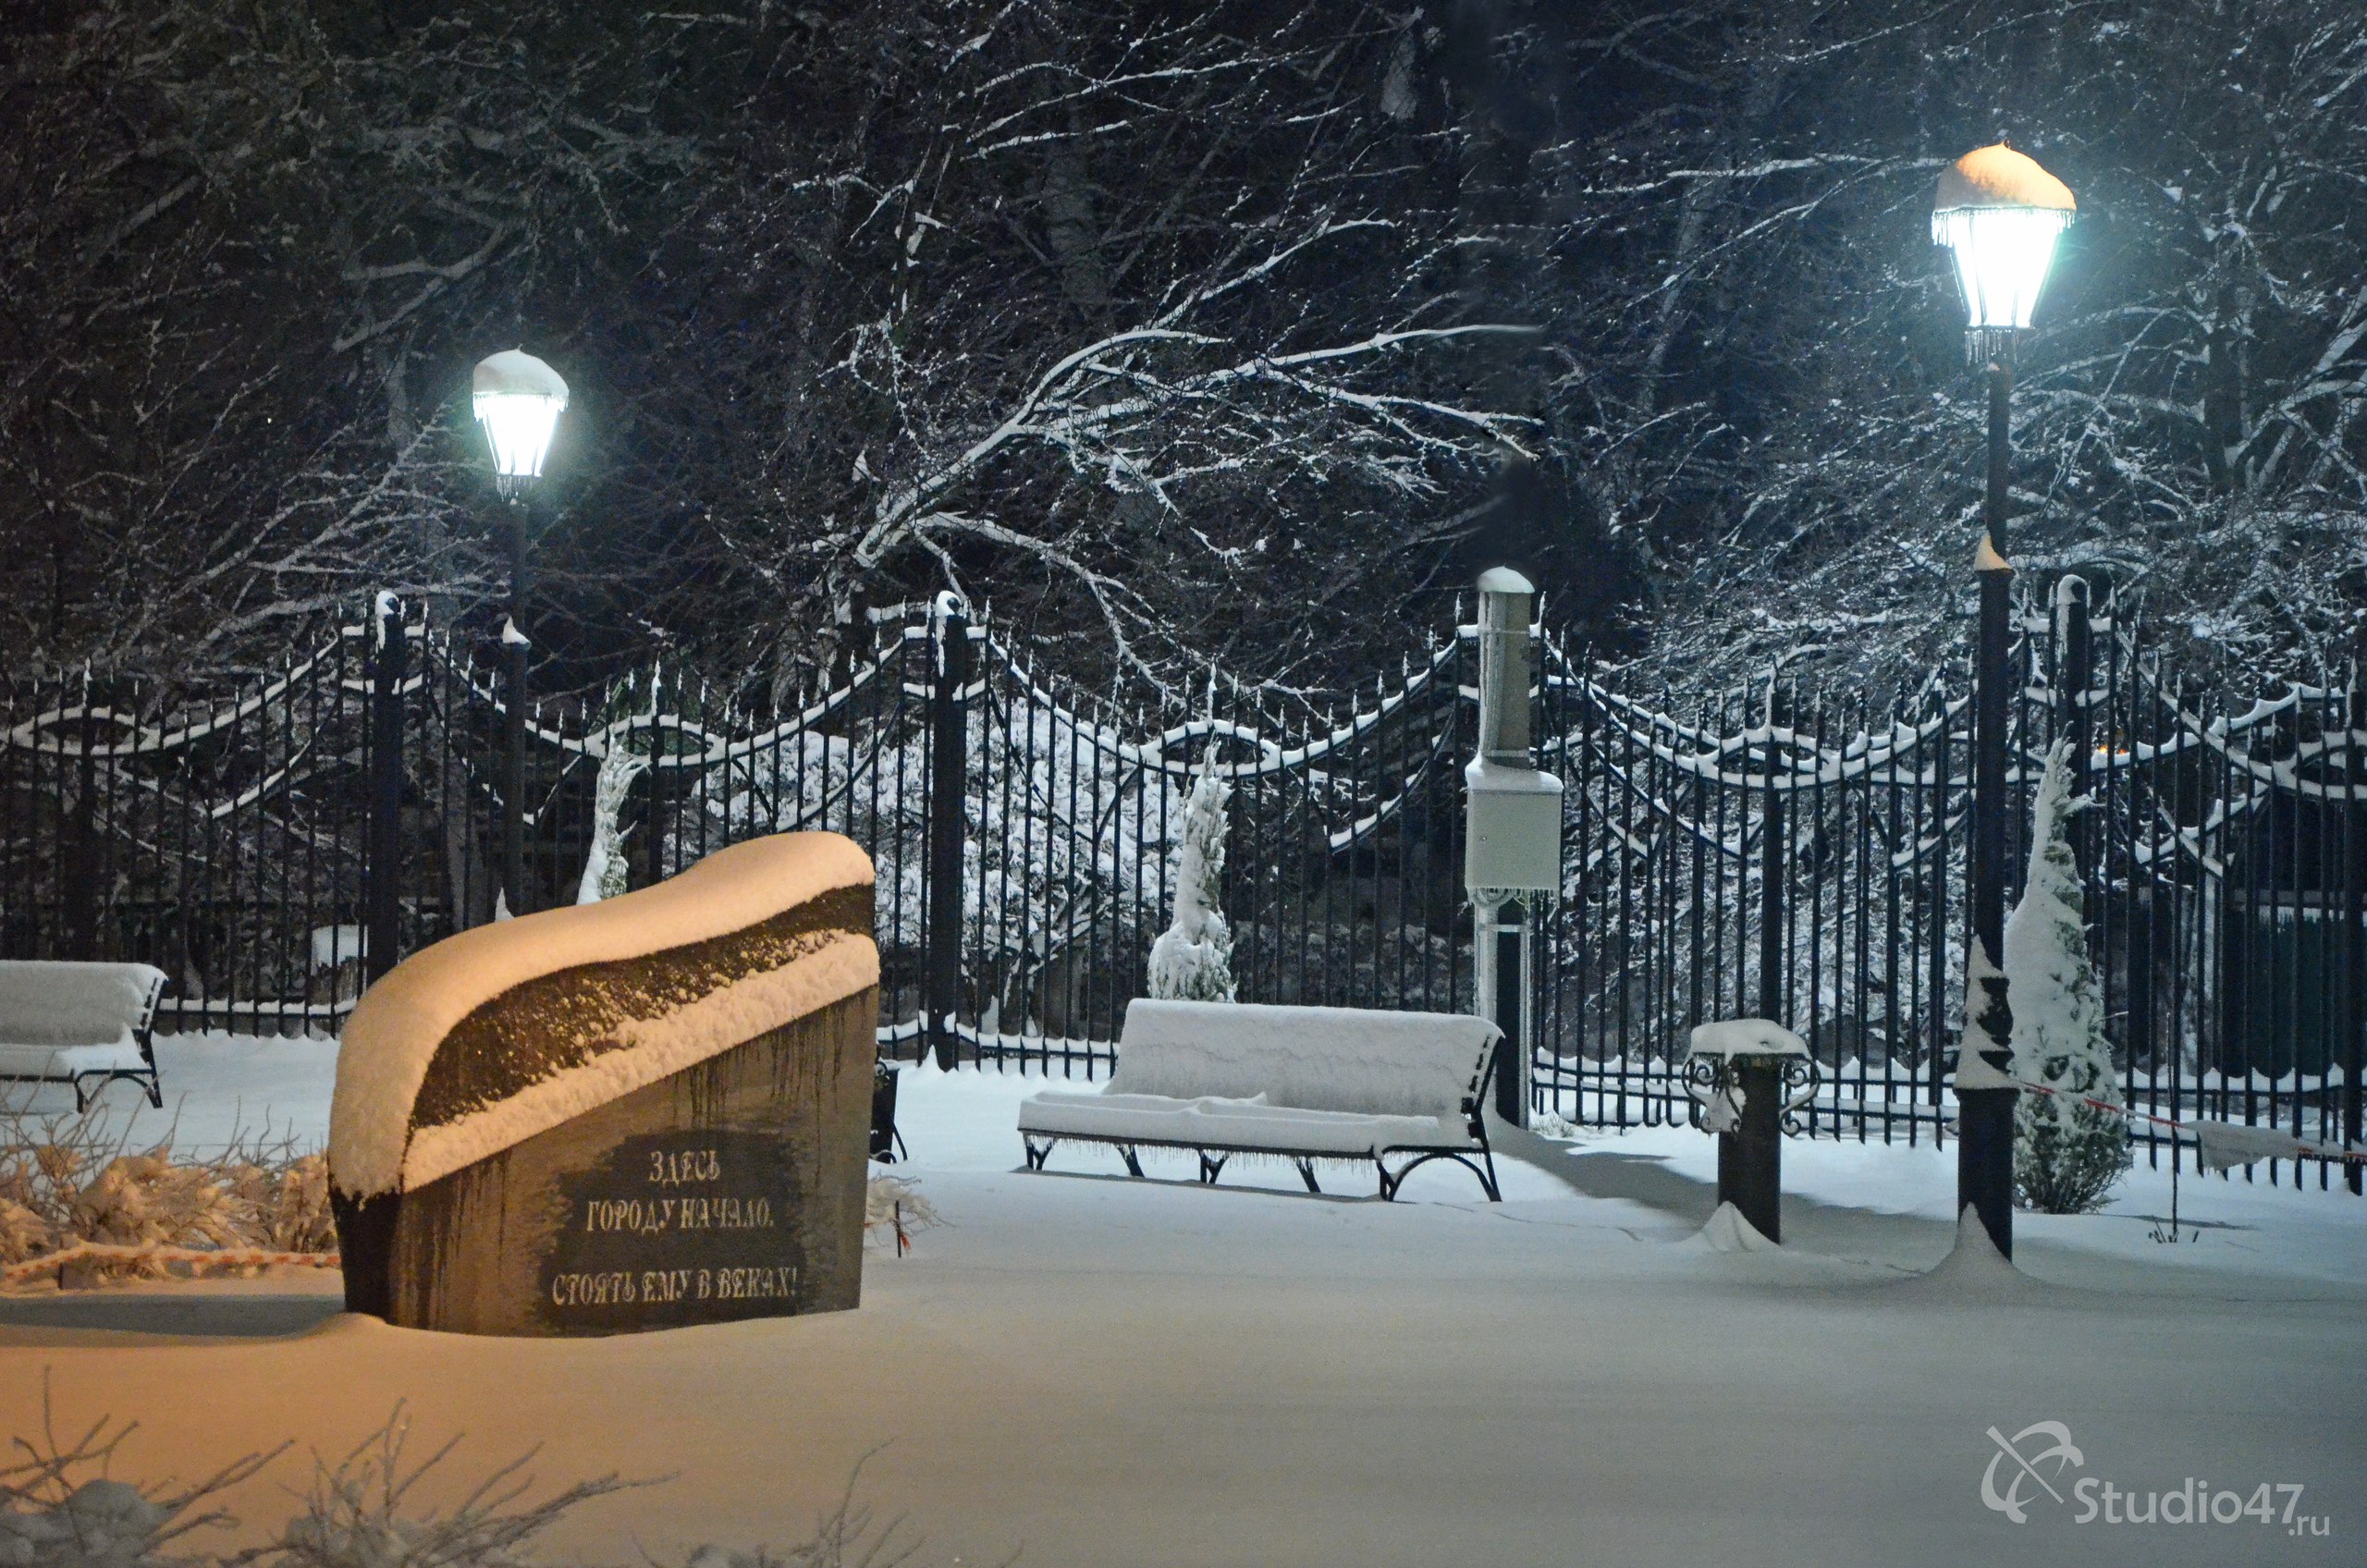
[(948, 828), (2355, 927), (1750, 1154), (1771, 868), (382, 864), (854, 636), (653, 789), (513, 774), (2073, 667), (81, 861)]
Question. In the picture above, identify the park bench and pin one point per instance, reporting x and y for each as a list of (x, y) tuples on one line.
[(74, 1023), (1301, 1084)]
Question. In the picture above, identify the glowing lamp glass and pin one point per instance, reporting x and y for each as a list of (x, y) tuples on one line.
[(517, 399), (518, 427), (2002, 256)]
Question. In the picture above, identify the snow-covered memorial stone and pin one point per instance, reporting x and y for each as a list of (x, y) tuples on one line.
[(644, 1112)]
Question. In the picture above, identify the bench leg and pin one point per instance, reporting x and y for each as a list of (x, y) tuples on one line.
[(1126, 1153), (1306, 1174), (1036, 1157), (1486, 1171), (1211, 1168)]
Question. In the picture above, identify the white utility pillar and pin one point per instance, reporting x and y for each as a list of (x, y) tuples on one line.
[(1512, 846)]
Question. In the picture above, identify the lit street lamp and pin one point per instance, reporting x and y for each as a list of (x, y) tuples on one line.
[(518, 401), (1999, 214)]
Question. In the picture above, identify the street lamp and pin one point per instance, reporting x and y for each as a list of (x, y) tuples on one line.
[(517, 399), (1999, 214)]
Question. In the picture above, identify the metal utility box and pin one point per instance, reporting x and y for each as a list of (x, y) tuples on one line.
[(1512, 841)]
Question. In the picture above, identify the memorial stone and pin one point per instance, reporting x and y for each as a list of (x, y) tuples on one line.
[(648, 1112)]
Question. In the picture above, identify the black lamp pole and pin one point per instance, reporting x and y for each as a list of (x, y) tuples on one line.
[(518, 399), (1999, 213), (1985, 1101), (514, 647)]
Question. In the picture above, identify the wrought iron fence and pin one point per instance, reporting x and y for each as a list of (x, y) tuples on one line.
[(1800, 855), (1782, 850)]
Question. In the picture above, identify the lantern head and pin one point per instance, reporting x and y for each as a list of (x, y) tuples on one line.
[(1999, 214), (518, 399)]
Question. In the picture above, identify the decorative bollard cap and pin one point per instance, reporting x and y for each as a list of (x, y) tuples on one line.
[(1747, 1037), (1710, 1077)]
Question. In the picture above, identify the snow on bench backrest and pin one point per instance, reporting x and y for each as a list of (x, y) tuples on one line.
[(74, 1004), (1307, 1058), (508, 1030)]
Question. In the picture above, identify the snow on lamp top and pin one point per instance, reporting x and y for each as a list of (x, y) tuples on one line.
[(1999, 214), (518, 399)]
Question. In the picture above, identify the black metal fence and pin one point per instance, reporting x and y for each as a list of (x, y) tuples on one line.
[(1800, 855), (1779, 851)]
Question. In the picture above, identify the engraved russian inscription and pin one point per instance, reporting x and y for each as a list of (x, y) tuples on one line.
[(676, 1227)]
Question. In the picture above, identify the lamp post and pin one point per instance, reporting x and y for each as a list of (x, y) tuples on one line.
[(518, 401), (1999, 214)]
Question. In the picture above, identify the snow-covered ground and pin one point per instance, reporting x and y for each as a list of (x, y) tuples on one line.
[(1102, 1371)]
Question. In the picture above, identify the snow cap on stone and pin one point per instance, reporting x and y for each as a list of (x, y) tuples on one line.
[(395, 1033)]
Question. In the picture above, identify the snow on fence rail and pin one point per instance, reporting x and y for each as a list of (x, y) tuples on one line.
[(1781, 851)]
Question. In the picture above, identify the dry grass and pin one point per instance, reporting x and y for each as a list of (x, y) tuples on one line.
[(60, 1507)]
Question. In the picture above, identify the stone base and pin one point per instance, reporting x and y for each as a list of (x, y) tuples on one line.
[(733, 1189)]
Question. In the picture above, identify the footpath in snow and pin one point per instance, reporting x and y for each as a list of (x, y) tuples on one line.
[(1093, 1370)]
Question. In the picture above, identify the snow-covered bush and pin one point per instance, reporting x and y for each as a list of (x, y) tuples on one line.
[(361, 1513), (64, 1181), (894, 1209), (2066, 1153), (1191, 961), (60, 1508)]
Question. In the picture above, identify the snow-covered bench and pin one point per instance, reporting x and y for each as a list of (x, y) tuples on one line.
[(72, 1022), (1302, 1083)]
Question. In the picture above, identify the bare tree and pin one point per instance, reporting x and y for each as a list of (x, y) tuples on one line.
[(1131, 330), (1762, 381)]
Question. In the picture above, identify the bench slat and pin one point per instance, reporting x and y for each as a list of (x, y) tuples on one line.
[(1235, 1124), (49, 1002), (1309, 1058), (71, 1022)]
